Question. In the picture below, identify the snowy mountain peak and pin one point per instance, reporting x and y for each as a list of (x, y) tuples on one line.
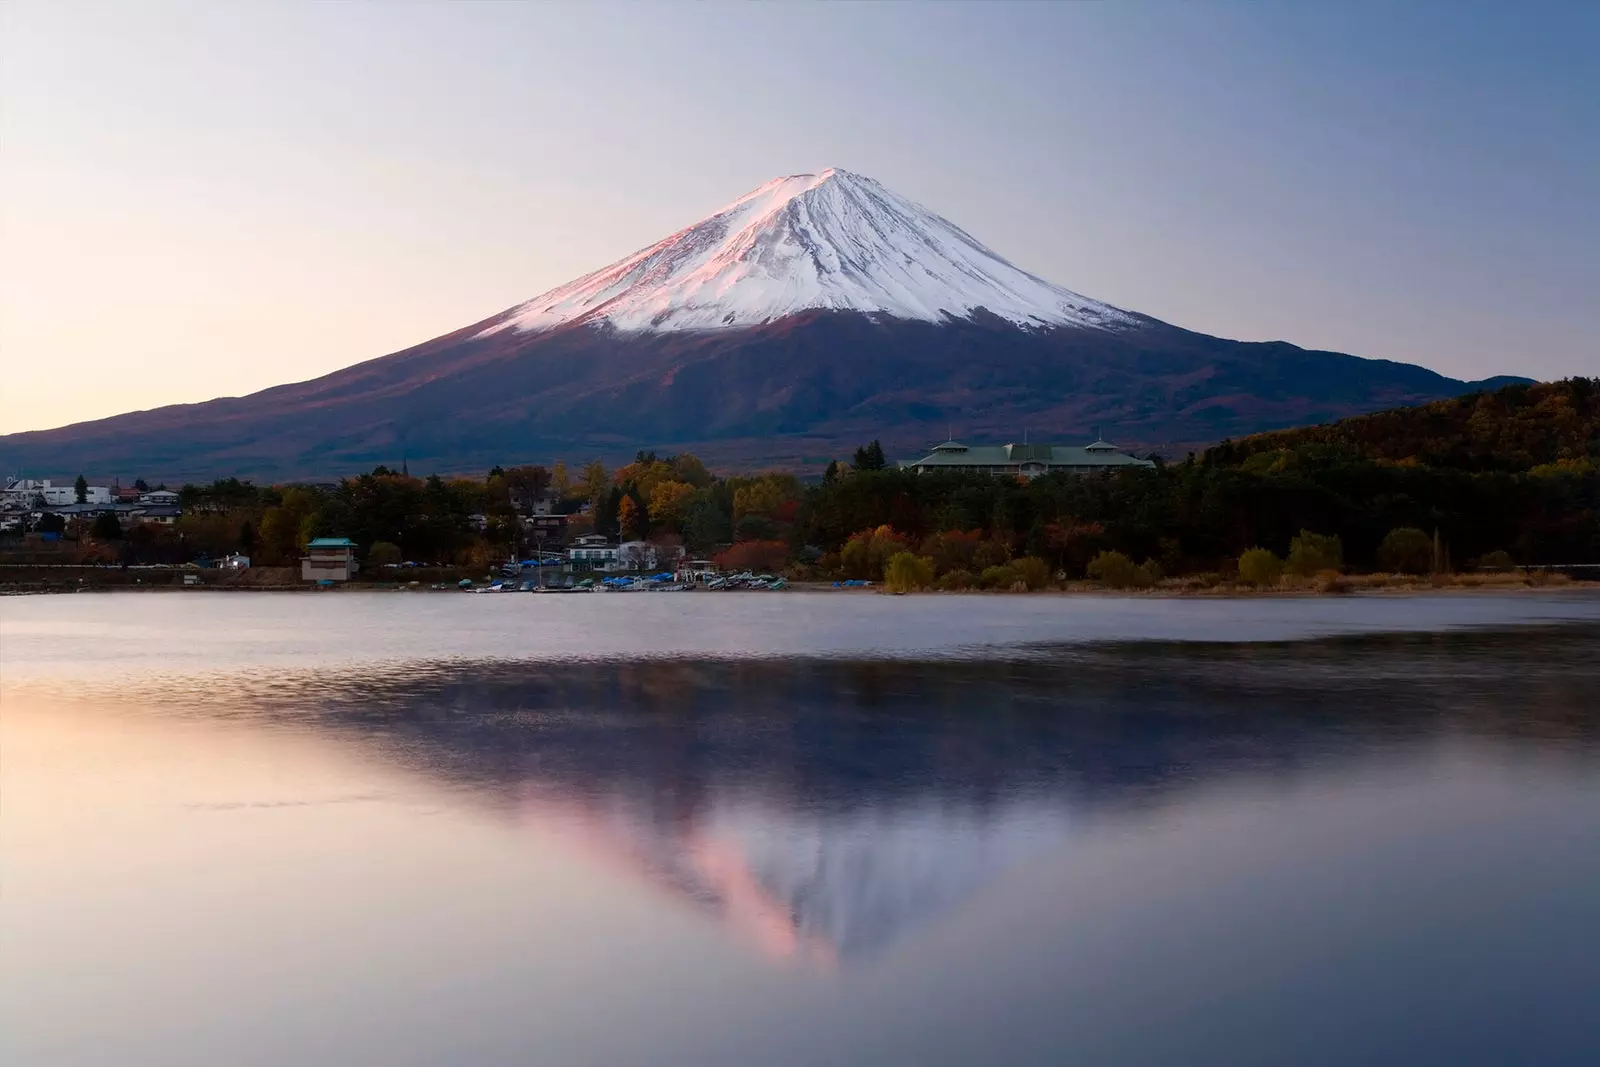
[(835, 241)]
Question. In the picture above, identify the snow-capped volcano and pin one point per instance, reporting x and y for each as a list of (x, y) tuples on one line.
[(832, 241)]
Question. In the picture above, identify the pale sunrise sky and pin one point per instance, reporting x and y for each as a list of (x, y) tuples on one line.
[(200, 200)]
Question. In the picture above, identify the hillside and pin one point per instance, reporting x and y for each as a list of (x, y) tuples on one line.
[(1514, 428)]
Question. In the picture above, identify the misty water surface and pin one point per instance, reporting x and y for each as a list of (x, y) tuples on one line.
[(798, 829)]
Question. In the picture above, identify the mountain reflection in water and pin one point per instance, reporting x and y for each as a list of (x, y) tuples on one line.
[(829, 808)]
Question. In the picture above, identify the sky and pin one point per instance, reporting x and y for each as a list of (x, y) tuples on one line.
[(202, 200)]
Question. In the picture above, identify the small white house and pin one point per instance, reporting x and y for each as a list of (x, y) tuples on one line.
[(159, 497), (592, 552)]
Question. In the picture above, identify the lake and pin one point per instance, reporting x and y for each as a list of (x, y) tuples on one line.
[(787, 829)]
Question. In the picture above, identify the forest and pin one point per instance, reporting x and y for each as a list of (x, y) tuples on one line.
[(1488, 480)]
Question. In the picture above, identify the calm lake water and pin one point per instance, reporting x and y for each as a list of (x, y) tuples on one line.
[(798, 829)]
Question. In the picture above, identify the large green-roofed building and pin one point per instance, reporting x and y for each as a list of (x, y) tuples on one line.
[(1024, 461)]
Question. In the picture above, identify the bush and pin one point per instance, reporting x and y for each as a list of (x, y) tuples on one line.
[(908, 572), (1259, 567), (1116, 570), (1331, 581), (1498, 560), (1407, 550), (957, 580), (382, 553), (1312, 553), (1003, 577), (1032, 571)]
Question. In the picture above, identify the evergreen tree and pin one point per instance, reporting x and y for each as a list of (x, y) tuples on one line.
[(81, 487)]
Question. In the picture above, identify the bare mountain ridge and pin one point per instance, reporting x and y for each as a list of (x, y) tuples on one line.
[(810, 314)]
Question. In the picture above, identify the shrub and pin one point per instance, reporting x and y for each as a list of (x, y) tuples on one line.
[(1312, 553), (1032, 571), (1002, 577), (956, 580), (381, 553), (1331, 581), (1259, 567), (991, 554), (1407, 550), (1115, 570), (908, 572), (1498, 560)]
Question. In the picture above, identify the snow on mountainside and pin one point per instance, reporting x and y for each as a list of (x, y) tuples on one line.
[(831, 241)]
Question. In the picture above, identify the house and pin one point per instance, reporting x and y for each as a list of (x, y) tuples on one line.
[(159, 498), (164, 515), (1024, 461), (592, 552), (548, 531), (329, 559)]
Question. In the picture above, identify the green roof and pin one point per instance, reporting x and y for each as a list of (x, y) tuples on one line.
[(1098, 454), (331, 542)]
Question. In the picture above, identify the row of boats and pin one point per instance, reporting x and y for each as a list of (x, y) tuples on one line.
[(656, 583)]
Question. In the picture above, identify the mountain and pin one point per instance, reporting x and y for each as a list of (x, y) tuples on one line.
[(809, 315)]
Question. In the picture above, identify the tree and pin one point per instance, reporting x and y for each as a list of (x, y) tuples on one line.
[(81, 488), (141, 485), (669, 504), (1113, 569), (870, 457), (907, 572), (383, 553), (51, 523), (833, 473), (1259, 567), (705, 523), (106, 527), (631, 519), (1407, 550), (558, 479), (595, 482), (690, 469), (757, 556), (247, 538), (1311, 553), (867, 552)]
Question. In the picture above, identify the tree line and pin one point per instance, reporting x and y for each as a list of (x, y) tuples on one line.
[(1509, 476)]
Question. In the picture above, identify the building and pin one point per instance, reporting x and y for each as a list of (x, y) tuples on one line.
[(548, 531), (159, 498), (27, 493), (329, 559), (592, 552), (1024, 461)]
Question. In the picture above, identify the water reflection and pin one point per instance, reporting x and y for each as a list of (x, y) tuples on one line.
[(828, 809)]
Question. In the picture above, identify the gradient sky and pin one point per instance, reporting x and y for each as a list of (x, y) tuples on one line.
[(207, 199)]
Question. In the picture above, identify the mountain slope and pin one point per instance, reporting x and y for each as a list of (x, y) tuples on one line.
[(811, 314)]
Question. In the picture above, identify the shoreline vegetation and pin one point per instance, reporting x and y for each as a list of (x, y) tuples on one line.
[(1492, 490)]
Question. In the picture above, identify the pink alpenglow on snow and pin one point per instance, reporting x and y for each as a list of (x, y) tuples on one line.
[(832, 241)]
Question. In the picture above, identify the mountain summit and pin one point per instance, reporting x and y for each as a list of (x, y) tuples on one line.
[(832, 241), (809, 315)]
